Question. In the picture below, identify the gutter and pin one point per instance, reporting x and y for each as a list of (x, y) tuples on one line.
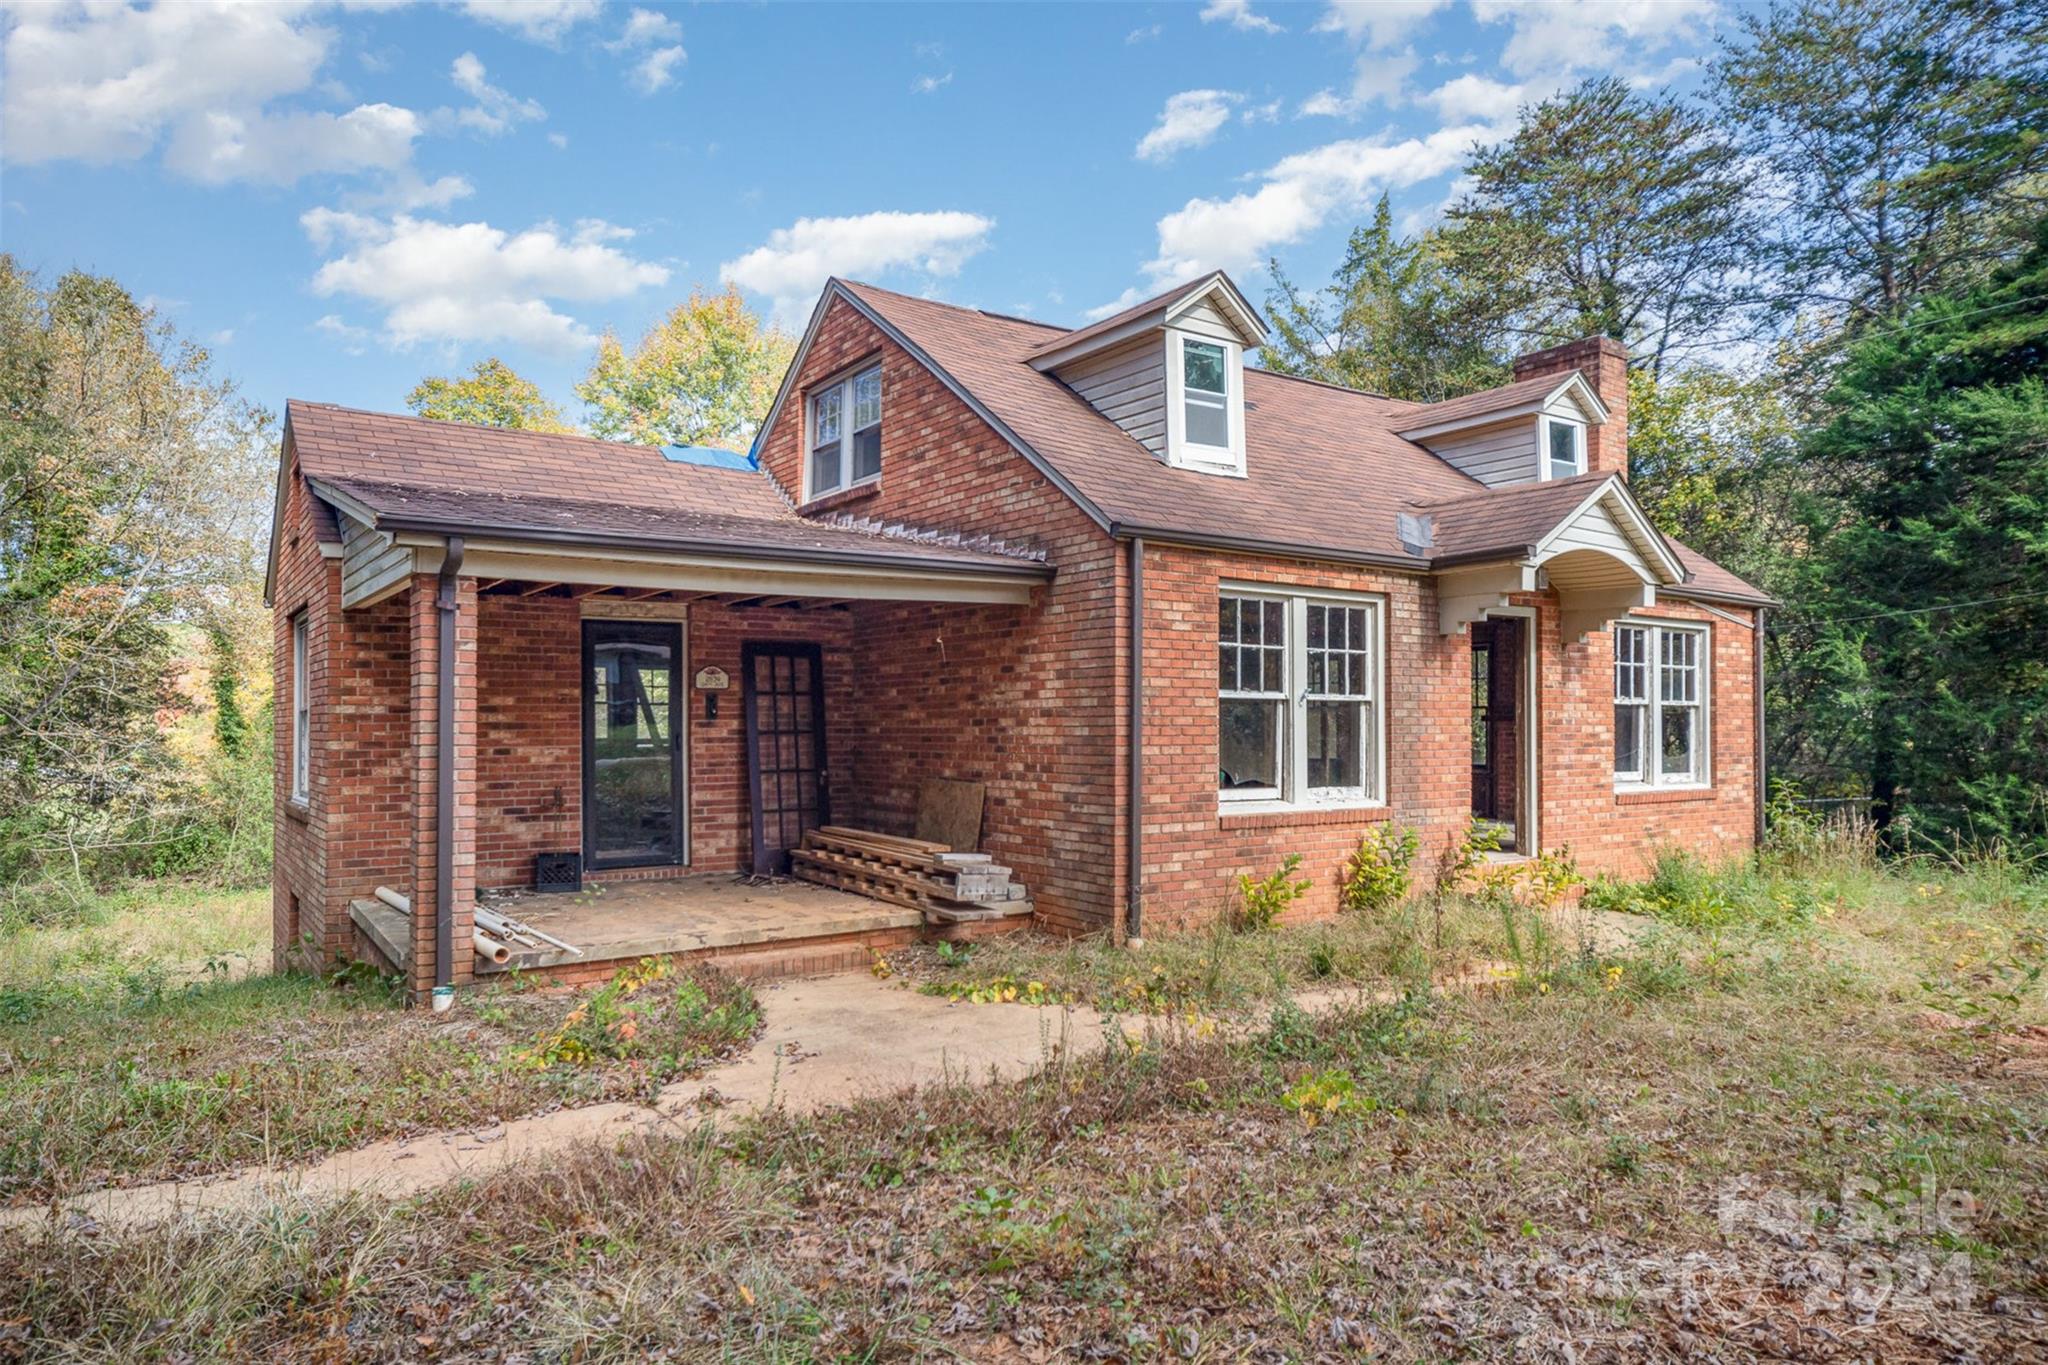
[(1757, 704), (1284, 549), (1134, 816), (447, 605)]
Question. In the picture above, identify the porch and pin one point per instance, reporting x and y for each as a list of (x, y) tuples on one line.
[(675, 734)]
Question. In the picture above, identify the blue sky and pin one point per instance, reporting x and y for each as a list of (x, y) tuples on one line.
[(340, 198)]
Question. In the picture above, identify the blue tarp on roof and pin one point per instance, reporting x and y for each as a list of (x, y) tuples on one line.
[(713, 456)]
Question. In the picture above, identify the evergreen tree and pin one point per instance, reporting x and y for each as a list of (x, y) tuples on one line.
[(1392, 321), (1931, 555), (1905, 141), (1615, 214)]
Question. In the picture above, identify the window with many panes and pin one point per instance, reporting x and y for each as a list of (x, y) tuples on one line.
[(302, 734), (1297, 698), (846, 432), (1564, 448), (1660, 733)]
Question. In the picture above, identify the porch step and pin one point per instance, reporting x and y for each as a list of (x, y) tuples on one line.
[(388, 931)]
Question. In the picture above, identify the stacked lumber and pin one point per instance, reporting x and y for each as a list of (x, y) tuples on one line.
[(950, 887)]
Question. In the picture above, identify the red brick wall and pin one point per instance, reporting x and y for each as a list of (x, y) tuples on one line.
[(1604, 362), (1621, 832), (1026, 700), (304, 583), (1193, 853), (529, 735)]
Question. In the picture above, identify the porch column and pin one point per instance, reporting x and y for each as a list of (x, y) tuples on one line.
[(426, 791)]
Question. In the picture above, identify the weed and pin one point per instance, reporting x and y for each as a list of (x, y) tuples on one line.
[(1263, 900), (1377, 876)]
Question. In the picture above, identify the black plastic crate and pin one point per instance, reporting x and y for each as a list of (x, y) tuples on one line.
[(558, 871)]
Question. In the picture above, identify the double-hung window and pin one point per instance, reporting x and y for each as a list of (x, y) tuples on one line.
[(1660, 734), (846, 432), (302, 735), (1564, 447), (1298, 680), (1205, 404)]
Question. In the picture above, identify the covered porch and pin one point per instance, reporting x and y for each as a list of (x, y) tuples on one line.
[(661, 725)]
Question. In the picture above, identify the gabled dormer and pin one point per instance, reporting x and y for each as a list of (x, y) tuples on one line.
[(1529, 431), (1169, 371)]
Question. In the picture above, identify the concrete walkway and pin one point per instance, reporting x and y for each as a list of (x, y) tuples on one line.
[(828, 1040)]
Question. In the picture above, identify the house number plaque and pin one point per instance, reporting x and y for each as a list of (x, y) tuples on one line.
[(712, 680)]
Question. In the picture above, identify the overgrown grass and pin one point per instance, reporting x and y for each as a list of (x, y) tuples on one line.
[(137, 1044), (1580, 1165)]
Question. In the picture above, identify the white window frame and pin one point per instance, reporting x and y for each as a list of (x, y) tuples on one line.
[(302, 714), (1578, 430), (1294, 793), (843, 385), (1653, 777), (1180, 451)]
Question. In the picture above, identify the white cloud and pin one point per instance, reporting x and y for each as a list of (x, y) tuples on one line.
[(656, 69), (437, 194), (657, 37), (645, 28), (110, 83), (471, 282), (224, 337), (926, 85), (560, 140), (1380, 23), (1190, 119), (794, 263), (1238, 14), (1481, 99), (1295, 196), (495, 110), (543, 21), (1145, 34), (1573, 35), (353, 339), (1377, 78), (279, 148), (1269, 112)]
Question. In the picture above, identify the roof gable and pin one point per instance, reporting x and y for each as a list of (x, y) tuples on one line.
[(1523, 398), (1215, 291)]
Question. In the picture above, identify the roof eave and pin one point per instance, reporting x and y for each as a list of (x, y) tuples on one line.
[(1207, 540)]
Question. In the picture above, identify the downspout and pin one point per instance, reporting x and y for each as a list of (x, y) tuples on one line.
[(447, 602), (1762, 796), (1134, 835)]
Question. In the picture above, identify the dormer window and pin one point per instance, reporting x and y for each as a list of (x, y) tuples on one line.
[(1564, 448), (846, 432), (1205, 403)]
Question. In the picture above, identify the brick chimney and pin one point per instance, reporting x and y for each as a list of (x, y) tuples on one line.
[(1604, 362)]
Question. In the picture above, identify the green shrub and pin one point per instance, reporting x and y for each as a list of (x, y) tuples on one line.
[(1377, 875), (1264, 900)]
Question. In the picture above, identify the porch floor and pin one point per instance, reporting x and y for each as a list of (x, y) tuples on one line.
[(710, 913), (610, 921)]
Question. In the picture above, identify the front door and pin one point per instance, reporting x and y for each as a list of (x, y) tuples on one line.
[(783, 691), (1497, 682), (632, 743)]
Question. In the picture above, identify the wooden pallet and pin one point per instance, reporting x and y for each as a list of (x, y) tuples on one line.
[(949, 887)]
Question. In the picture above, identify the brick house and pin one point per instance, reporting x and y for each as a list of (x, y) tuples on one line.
[(1180, 616)]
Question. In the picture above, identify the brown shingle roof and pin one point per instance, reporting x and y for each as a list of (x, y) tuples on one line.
[(1326, 471), (415, 507), (415, 473), (1520, 394), (1157, 303), (347, 443), (1503, 521)]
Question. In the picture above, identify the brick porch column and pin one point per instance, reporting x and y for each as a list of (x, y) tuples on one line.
[(426, 794)]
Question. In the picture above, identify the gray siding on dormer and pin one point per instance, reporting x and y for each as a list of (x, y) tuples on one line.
[(1127, 384), (1502, 453), (1203, 319)]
